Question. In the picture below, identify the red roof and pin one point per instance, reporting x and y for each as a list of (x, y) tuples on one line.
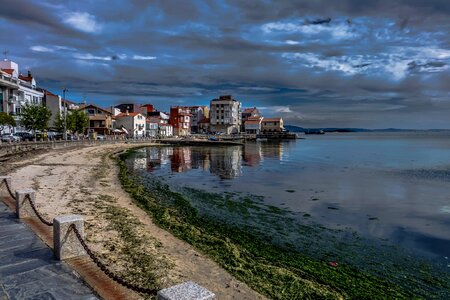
[(26, 78), (249, 110), (254, 118), (9, 71)]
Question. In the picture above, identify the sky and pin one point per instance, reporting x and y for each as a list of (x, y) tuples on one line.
[(347, 63)]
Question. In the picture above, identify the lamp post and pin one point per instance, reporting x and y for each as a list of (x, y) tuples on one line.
[(65, 113)]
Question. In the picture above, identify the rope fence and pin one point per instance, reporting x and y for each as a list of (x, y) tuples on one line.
[(91, 254)]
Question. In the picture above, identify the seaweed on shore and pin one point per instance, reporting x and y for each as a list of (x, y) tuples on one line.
[(278, 270)]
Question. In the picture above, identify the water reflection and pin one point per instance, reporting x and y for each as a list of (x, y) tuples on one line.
[(224, 161)]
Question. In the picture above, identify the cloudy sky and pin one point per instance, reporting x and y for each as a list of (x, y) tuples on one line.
[(346, 63)]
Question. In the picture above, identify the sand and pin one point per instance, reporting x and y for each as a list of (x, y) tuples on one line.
[(84, 181)]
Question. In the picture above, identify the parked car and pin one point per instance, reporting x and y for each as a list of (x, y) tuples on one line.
[(25, 136), (9, 137), (101, 137)]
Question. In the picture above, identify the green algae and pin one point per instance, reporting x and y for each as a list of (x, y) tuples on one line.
[(279, 272)]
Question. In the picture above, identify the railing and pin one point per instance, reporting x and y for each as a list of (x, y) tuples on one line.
[(65, 248)]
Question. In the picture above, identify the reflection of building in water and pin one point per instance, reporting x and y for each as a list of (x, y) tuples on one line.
[(226, 161), (157, 156), (140, 163), (273, 149), (200, 158), (252, 154), (181, 159)]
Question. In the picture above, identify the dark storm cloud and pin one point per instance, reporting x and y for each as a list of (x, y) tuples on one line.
[(324, 63)]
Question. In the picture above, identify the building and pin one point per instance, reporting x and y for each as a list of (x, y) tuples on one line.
[(129, 107), (225, 115), (272, 125), (134, 124), (249, 113), (146, 109), (180, 119), (57, 106), (252, 125), (158, 117), (165, 130), (17, 90), (100, 120), (198, 114), (151, 129), (204, 126)]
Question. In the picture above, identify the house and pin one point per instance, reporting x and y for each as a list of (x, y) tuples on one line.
[(249, 113), (100, 120), (180, 119), (204, 126), (158, 117), (272, 125), (134, 123), (146, 109), (253, 125), (151, 129), (165, 130), (225, 115), (198, 113), (129, 107), (9, 85)]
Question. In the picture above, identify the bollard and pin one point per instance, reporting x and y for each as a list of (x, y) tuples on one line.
[(23, 207), (4, 190), (65, 242), (185, 291)]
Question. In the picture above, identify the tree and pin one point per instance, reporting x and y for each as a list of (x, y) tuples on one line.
[(77, 121), (35, 117), (58, 125), (6, 120)]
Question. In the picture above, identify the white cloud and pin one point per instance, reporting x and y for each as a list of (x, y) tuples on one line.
[(41, 49), (291, 42), (140, 57), (337, 31), (82, 21), (89, 56)]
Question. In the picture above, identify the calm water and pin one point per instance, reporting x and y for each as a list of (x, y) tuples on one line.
[(389, 187)]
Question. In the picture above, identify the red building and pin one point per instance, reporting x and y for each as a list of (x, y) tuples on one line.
[(180, 119)]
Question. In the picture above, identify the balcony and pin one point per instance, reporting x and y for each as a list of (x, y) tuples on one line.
[(9, 81)]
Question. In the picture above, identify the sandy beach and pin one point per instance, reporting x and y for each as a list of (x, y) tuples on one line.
[(84, 181)]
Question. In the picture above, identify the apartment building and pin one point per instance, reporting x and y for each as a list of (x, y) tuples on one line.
[(225, 115), (180, 119)]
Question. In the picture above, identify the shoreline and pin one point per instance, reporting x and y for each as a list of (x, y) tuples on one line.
[(84, 180)]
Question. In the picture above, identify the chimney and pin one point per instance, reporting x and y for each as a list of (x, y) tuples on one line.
[(29, 73), (127, 113)]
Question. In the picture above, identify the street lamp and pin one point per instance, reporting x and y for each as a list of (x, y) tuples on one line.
[(65, 113)]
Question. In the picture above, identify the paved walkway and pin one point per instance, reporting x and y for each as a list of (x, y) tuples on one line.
[(28, 269)]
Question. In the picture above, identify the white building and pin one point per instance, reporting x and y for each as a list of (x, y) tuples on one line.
[(198, 113), (151, 129), (25, 93), (225, 115), (134, 123), (165, 130)]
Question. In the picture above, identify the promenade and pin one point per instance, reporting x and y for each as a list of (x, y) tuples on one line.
[(28, 269)]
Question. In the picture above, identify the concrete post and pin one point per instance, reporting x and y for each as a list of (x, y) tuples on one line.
[(23, 207), (65, 242), (4, 191), (185, 291)]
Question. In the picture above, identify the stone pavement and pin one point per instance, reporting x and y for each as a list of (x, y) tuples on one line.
[(28, 269)]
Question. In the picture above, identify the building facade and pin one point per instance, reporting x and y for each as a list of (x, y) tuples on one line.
[(198, 114), (253, 125), (272, 125), (225, 115), (100, 120), (134, 124), (180, 119)]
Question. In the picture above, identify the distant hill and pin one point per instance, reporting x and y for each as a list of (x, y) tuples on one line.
[(293, 128)]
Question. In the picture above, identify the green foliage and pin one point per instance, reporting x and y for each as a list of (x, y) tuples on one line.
[(58, 125), (77, 121), (6, 120), (35, 117)]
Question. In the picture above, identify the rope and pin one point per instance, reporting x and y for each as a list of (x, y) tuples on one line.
[(8, 188), (107, 272), (27, 197)]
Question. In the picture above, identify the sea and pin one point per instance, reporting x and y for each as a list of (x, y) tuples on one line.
[(354, 197)]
